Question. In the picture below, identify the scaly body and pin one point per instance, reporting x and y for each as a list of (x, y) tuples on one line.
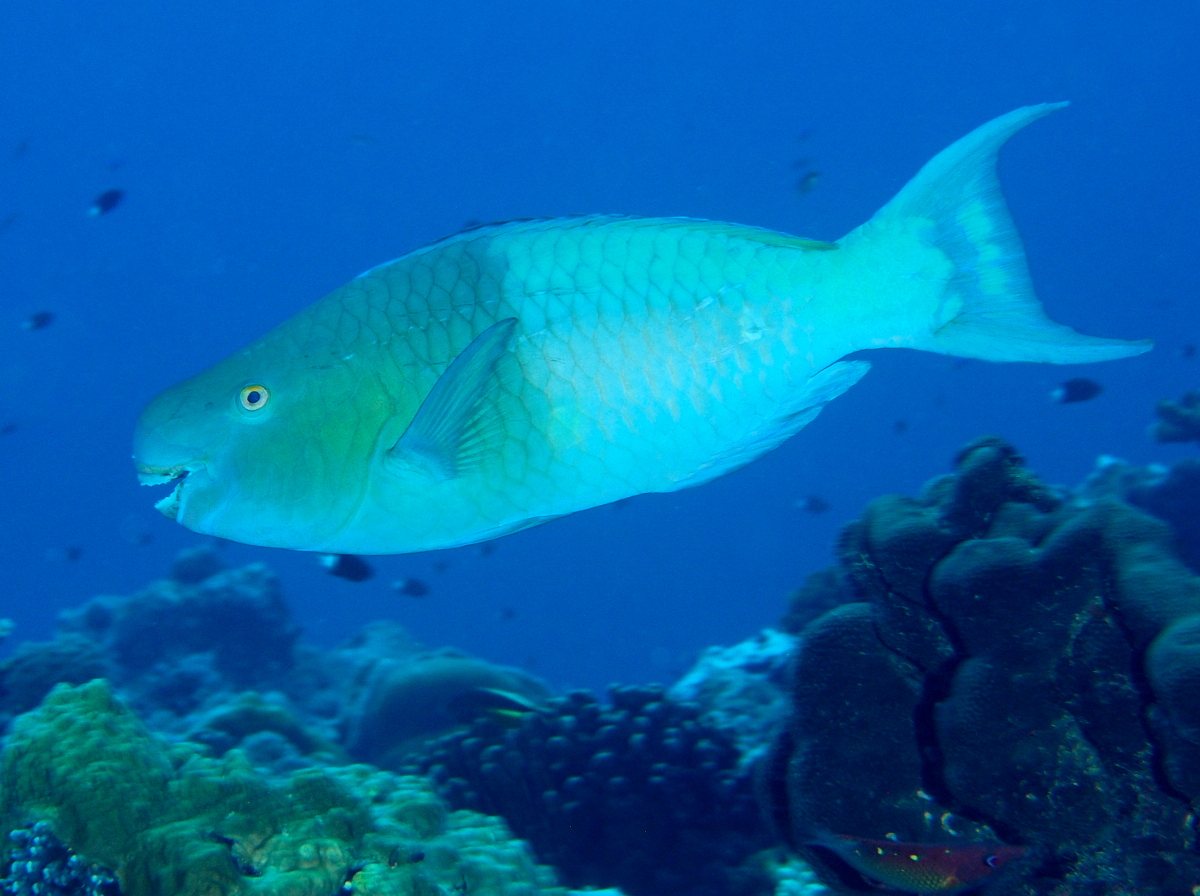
[(523, 371)]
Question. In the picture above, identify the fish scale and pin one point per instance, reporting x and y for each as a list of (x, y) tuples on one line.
[(519, 372), (594, 385)]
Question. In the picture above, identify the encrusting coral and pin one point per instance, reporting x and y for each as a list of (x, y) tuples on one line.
[(1018, 668), (170, 821)]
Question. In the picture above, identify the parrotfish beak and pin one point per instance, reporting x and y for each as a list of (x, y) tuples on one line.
[(161, 457), (169, 506)]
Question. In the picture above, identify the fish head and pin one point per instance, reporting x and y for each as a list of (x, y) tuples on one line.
[(267, 447)]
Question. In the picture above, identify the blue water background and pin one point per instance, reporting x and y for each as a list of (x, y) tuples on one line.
[(270, 151)]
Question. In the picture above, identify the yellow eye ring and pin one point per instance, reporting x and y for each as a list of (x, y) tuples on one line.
[(254, 398)]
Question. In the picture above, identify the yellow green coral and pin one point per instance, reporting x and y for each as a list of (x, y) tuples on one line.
[(172, 822)]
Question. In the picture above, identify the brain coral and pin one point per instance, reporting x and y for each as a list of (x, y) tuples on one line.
[(1017, 668), (172, 822)]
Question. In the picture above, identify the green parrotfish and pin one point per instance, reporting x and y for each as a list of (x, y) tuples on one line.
[(519, 372)]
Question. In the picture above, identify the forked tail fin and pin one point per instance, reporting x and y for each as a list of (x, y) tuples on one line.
[(989, 308)]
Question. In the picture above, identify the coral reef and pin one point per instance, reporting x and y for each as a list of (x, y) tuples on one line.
[(1170, 493), (244, 785), (238, 616), (1018, 668), (821, 592), (267, 727), (172, 822), (1178, 421), (36, 666), (742, 690), (39, 864), (172, 647), (404, 702), (639, 794)]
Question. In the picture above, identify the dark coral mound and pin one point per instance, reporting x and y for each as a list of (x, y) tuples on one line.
[(239, 616), (638, 794), (207, 653), (1017, 668), (1178, 421), (176, 642)]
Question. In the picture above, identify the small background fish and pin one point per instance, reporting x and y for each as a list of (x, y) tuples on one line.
[(105, 202), (1075, 390), (923, 868)]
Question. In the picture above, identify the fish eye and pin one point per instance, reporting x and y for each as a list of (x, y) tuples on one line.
[(254, 397)]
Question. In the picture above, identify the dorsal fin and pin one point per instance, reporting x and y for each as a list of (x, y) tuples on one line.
[(449, 432)]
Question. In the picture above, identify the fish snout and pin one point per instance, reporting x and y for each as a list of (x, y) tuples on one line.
[(162, 460)]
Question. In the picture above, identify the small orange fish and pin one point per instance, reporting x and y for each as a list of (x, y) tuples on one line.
[(921, 867)]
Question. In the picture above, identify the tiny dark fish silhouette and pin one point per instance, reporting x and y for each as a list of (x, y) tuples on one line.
[(106, 202), (487, 549), (410, 587), (1078, 389), (39, 320), (20, 149), (347, 566), (507, 614), (807, 181), (68, 554), (8, 429), (1188, 350), (900, 427), (925, 868), (8, 221), (813, 504)]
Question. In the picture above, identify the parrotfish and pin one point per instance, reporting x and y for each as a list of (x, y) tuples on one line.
[(519, 372), (923, 868)]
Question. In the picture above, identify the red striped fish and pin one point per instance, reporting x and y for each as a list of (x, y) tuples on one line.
[(922, 867)]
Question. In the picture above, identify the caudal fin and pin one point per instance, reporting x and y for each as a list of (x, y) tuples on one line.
[(989, 299)]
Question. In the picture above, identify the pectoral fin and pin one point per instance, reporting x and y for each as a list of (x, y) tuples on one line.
[(452, 427)]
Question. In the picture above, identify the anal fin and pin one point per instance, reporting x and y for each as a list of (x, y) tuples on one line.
[(822, 387)]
